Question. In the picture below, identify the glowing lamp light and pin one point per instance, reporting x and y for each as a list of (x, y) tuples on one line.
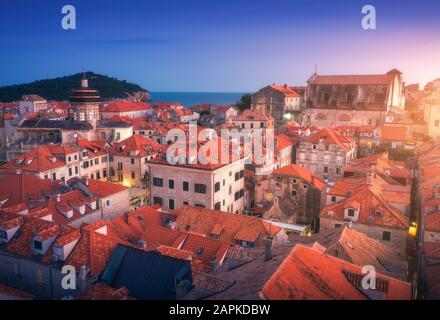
[(412, 231), (288, 116), (126, 183)]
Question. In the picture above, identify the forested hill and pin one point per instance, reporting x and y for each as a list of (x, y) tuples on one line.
[(59, 88)]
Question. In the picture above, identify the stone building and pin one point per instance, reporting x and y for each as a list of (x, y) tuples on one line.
[(366, 211), (326, 153), (352, 99), (299, 194), (282, 102), (214, 185)]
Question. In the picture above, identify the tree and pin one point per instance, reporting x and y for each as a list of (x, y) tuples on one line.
[(245, 102)]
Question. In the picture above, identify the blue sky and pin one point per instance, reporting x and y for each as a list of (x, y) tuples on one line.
[(228, 45)]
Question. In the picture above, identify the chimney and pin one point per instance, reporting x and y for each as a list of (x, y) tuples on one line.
[(214, 264), (127, 218), (268, 248), (182, 288), (370, 178), (142, 244), (83, 272)]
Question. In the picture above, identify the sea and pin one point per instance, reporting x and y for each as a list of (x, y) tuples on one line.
[(189, 99)]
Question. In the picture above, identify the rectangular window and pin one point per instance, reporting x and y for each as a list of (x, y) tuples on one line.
[(158, 182), (171, 204), (70, 172), (325, 169), (3, 234), (69, 159), (97, 161), (386, 236), (132, 160), (76, 170), (171, 184), (157, 200), (185, 186), (133, 175), (217, 187), (333, 199), (199, 205), (104, 159), (237, 176), (104, 173), (120, 167), (350, 212), (241, 174), (110, 158), (338, 225), (38, 245), (217, 206), (54, 176), (200, 188), (98, 175)]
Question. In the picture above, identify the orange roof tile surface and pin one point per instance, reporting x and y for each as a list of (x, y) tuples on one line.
[(307, 274), (303, 173)]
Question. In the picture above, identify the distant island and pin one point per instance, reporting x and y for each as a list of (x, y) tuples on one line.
[(59, 88)]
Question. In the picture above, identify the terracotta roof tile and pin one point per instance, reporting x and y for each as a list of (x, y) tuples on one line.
[(307, 274)]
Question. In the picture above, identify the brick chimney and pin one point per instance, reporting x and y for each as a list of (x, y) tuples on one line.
[(268, 248)]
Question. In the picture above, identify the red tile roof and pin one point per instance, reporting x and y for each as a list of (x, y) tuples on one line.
[(40, 159), (14, 293), (385, 79), (391, 133), (303, 173), (225, 226), (355, 247), (431, 250), (21, 245), (103, 188), (330, 136), (125, 106), (370, 203), (137, 144), (432, 221), (25, 190), (282, 141), (433, 279), (101, 291), (307, 274), (93, 250), (286, 90), (381, 164)]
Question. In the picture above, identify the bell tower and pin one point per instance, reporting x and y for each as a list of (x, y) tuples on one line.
[(84, 103)]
